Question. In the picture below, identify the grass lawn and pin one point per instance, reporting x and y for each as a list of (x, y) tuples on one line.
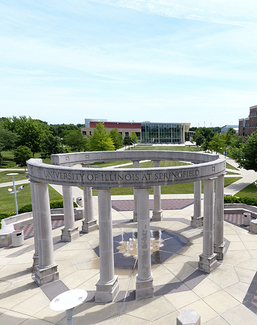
[(4, 178), (231, 167), (249, 191), (163, 147), (183, 188), (7, 202)]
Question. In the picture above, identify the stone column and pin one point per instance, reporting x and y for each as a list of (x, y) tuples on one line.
[(46, 270), (107, 287), (208, 259), (157, 210), (69, 232), (144, 280), (89, 223), (35, 223), (136, 164), (197, 219), (219, 244)]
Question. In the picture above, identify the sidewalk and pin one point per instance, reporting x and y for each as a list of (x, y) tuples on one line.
[(224, 297)]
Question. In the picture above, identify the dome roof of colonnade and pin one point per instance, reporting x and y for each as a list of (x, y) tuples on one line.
[(204, 166)]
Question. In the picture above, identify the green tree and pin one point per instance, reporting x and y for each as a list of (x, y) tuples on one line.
[(8, 141), (100, 140), (246, 155), (127, 140), (30, 131), (218, 143), (116, 138), (134, 137), (21, 155), (76, 140), (198, 137), (51, 145)]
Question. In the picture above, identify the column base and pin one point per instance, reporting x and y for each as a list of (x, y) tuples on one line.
[(157, 216), (108, 291), (69, 235), (196, 222), (88, 226), (219, 251), (144, 288), (207, 263), (35, 262), (46, 275), (134, 216)]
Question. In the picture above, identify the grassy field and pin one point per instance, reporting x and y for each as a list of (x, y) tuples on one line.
[(249, 191), (183, 188), (7, 202)]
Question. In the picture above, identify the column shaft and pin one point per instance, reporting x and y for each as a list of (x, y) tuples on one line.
[(219, 244), (144, 282), (35, 223), (157, 210), (46, 270), (136, 164), (89, 223), (196, 219), (208, 258), (107, 287), (69, 232)]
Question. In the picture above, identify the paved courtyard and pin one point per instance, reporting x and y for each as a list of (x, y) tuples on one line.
[(226, 296)]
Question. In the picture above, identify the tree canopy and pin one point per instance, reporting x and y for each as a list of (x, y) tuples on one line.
[(100, 140), (30, 131), (116, 138), (246, 154)]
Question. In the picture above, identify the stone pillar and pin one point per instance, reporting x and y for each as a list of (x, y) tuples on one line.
[(144, 280), (89, 223), (35, 223), (197, 219), (107, 287), (46, 270), (69, 232), (208, 259), (219, 244), (136, 164), (157, 210)]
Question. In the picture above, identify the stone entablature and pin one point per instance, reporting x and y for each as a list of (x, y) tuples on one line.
[(123, 177)]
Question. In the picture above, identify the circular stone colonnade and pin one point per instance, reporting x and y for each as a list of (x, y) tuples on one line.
[(207, 167)]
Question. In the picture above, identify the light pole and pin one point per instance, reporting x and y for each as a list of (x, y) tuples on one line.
[(14, 189)]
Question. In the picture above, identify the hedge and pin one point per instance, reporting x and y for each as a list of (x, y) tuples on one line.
[(235, 199), (53, 205)]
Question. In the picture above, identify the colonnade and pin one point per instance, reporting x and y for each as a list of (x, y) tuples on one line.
[(107, 287)]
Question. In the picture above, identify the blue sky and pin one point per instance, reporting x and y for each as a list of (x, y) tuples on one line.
[(187, 61)]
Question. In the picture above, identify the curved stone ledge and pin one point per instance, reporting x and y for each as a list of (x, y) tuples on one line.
[(69, 159), (123, 177)]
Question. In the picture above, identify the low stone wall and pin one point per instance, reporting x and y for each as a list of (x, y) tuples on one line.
[(19, 220), (240, 208)]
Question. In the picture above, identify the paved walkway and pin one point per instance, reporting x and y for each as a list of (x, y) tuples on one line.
[(226, 296)]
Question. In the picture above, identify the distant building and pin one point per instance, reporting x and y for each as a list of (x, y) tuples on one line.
[(146, 132), (248, 125), (225, 128)]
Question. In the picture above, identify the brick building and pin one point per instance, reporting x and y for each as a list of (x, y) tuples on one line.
[(146, 132), (248, 125)]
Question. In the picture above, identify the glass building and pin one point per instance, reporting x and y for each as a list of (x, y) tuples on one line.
[(161, 133)]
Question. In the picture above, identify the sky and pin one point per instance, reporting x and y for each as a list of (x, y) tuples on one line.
[(176, 61)]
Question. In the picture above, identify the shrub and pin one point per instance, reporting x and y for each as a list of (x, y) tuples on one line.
[(235, 199), (53, 205)]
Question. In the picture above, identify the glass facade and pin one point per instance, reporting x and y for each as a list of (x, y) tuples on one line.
[(161, 133)]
